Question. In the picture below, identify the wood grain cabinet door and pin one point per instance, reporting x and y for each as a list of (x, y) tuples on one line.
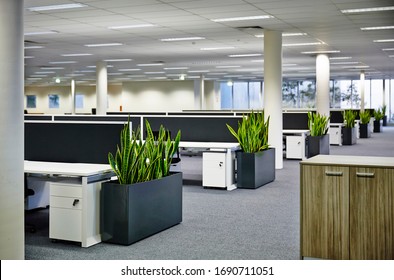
[(371, 213), (325, 212)]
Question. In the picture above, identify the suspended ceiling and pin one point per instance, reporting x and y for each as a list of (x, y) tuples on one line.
[(64, 54)]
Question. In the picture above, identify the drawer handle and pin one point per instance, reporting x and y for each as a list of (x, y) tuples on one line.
[(75, 202), (365, 175), (220, 164), (334, 173)]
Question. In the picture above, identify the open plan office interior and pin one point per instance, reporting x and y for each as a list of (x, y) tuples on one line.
[(79, 70)]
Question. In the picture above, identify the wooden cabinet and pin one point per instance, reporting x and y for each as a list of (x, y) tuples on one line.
[(347, 207)]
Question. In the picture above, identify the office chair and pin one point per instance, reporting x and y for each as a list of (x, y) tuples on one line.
[(28, 192)]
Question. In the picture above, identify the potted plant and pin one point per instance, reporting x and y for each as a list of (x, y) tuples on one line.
[(318, 141), (377, 123), (365, 118), (256, 159), (384, 108), (146, 198), (349, 130)]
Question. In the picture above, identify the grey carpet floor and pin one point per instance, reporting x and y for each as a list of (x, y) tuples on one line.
[(260, 224)]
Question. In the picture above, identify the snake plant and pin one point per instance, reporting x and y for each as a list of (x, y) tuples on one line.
[(349, 116), (252, 133), (140, 161), (365, 117), (317, 124), (378, 115)]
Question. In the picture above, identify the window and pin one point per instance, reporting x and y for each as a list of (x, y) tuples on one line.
[(376, 94), (255, 95), (241, 95), (307, 94), (290, 95), (226, 96)]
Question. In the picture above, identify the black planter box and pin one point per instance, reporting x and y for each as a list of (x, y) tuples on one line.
[(133, 212), (255, 169), (318, 145), (365, 132), (385, 120), (377, 126), (349, 135)]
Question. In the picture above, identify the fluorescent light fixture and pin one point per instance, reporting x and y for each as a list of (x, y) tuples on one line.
[(38, 76), (118, 60), (149, 64), (241, 18), (257, 60), (366, 10), (76, 54), (182, 39), (391, 55), (56, 7), (356, 67), (40, 33), (344, 62), (284, 35), (132, 26), (45, 72), (388, 49), (114, 74), (27, 57), (227, 66), (103, 45), (216, 48), (52, 68), (129, 70), (217, 73), (176, 68), (302, 44), (383, 41), (33, 47), (182, 77), (34, 79), (340, 57), (62, 62), (245, 55), (377, 28), (320, 52), (289, 65), (157, 72), (198, 71)]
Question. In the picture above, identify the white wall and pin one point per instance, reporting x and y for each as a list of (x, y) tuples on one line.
[(64, 92), (158, 96), (149, 96)]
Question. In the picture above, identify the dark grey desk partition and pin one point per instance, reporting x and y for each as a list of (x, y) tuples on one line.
[(295, 120), (197, 128)]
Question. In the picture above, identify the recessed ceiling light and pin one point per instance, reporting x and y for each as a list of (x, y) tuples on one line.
[(40, 33), (129, 70), (103, 45), (176, 68), (227, 66), (33, 47), (132, 26), (320, 52), (149, 64), (340, 57), (56, 7), (118, 60), (242, 18), (366, 10), (302, 44), (285, 35), (52, 68), (216, 48), (62, 62), (181, 39), (76, 54), (383, 41), (245, 55), (377, 28)]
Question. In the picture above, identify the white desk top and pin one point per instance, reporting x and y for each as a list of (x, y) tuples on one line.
[(295, 130), (212, 145), (64, 168), (350, 161)]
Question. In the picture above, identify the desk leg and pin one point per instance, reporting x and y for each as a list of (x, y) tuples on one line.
[(230, 157), (90, 213)]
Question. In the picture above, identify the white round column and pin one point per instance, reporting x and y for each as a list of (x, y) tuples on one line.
[(73, 97), (273, 91), (323, 84), (12, 229), (101, 87), (362, 91)]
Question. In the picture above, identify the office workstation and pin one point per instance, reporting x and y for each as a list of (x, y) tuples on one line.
[(74, 114)]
